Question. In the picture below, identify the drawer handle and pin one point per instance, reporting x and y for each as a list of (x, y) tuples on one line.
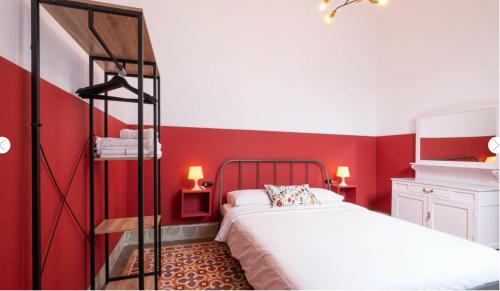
[(428, 190)]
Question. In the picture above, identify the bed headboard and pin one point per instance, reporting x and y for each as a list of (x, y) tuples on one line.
[(274, 163)]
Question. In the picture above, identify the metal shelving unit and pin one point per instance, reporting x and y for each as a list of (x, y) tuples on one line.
[(94, 26)]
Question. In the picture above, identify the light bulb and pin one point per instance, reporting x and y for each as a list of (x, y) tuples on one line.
[(323, 5), (329, 18), (382, 3)]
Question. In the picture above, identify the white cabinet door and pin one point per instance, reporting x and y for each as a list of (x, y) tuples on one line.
[(452, 217), (412, 208)]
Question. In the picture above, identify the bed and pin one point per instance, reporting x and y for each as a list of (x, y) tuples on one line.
[(345, 246)]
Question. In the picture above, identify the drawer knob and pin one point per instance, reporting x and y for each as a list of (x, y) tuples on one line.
[(427, 190)]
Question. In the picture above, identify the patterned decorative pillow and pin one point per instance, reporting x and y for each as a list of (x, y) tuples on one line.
[(282, 196)]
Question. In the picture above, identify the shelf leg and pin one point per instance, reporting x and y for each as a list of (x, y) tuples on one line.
[(35, 145), (91, 166), (106, 188), (155, 180), (140, 117), (159, 176)]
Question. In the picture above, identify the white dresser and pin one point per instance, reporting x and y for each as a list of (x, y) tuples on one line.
[(465, 210)]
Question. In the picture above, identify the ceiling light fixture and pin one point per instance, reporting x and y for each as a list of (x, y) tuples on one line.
[(329, 17)]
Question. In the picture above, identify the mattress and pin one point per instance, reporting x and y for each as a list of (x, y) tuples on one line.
[(344, 246), (226, 207)]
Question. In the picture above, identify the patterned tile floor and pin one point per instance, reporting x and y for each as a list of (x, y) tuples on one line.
[(194, 266)]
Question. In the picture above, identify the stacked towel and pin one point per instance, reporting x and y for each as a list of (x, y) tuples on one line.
[(119, 143), (133, 133), (125, 153), (126, 145)]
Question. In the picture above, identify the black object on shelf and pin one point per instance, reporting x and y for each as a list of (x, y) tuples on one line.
[(93, 91), (207, 184)]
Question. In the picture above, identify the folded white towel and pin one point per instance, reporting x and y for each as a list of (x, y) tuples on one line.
[(133, 133), (122, 143)]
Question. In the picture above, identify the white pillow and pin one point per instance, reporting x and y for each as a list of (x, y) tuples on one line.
[(326, 196), (248, 197)]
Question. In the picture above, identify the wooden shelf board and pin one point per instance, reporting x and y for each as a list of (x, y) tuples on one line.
[(131, 284), (123, 224), (119, 33)]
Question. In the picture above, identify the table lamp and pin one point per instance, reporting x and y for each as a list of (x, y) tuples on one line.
[(195, 173), (343, 172), (492, 159)]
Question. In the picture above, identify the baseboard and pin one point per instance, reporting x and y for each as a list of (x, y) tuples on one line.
[(177, 233), (169, 233)]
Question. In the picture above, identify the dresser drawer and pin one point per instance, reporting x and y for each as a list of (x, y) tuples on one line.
[(463, 196), (430, 190), (400, 186)]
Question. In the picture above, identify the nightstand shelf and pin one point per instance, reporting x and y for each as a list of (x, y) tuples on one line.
[(195, 213), (195, 203), (348, 191)]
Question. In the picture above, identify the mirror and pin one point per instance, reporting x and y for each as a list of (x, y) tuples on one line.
[(457, 137)]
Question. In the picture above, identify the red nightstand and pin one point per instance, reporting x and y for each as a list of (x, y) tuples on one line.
[(349, 192), (195, 203)]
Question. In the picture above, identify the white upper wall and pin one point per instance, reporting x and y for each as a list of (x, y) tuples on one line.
[(273, 65), (265, 65), (435, 56)]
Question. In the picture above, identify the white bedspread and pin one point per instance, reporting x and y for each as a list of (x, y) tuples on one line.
[(344, 246)]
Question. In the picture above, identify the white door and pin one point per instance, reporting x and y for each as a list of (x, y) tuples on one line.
[(452, 217), (411, 208)]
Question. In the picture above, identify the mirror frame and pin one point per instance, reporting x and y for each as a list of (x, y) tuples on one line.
[(458, 164)]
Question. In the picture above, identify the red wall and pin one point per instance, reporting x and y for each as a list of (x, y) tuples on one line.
[(184, 147), (372, 161), (394, 155), (64, 131)]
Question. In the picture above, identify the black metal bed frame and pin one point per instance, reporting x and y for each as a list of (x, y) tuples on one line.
[(274, 162), (487, 286), (36, 148)]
